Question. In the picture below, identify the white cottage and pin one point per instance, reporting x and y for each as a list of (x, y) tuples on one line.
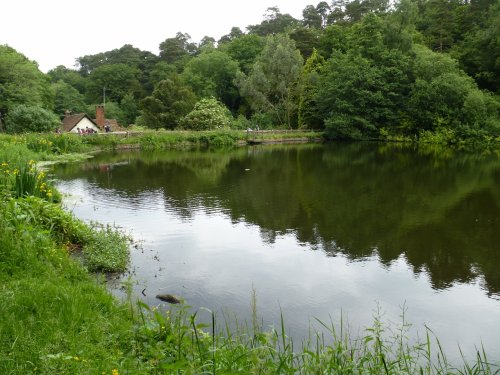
[(71, 123)]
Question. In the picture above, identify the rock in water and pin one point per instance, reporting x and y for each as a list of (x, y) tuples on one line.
[(168, 298)]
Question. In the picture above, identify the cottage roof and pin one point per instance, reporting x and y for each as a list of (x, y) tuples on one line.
[(70, 121)]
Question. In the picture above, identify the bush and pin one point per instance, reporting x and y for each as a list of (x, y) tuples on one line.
[(208, 114), (241, 122), (106, 250), (23, 118)]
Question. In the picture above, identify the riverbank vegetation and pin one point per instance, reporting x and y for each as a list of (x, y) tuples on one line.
[(408, 70), (57, 316)]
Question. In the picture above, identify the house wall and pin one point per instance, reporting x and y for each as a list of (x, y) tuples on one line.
[(83, 124)]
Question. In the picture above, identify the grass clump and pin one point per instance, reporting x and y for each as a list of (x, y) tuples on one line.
[(106, 249)]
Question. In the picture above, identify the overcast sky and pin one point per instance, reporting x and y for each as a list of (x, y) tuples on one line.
[(56, 32)]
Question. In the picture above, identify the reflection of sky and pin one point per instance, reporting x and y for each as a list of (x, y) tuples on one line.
[(214, 263)]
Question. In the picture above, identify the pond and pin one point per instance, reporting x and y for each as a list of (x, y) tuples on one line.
[(316, 231)]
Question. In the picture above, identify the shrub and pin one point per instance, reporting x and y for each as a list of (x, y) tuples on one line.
[(23, 118), (208, 114)]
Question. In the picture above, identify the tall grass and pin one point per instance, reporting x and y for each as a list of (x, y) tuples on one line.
[(175, 341)]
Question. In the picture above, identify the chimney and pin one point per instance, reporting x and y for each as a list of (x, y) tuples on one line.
[(99, 116)]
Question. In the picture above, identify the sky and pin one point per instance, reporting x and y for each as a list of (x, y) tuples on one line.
[(56, 32)]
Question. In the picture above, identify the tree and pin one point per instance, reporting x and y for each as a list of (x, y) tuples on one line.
[(244, 49), (311, 17), (308, 115), (206, 41), (271, 86), (323, 10), (306, 39), (170, 101), (25, 118), (117, 79), (367, 37), (235, 33), (129, 109), (67, 98), (274, 23), (437, 23), (161, 71), (69, 76), (333, 38), (208, 114), (358, 96), (400, 26), (212, 73), (478, 54), (443, 96), (127, 54), (21, 82), (337, 12), (177, 48)]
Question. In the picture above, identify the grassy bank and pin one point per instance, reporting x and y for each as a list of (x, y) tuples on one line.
[(49, 146), (56, 316)]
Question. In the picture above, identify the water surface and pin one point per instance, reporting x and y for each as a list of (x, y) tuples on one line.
[(317, 231)]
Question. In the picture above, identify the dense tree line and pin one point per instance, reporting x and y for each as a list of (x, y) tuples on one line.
[(357, 69)]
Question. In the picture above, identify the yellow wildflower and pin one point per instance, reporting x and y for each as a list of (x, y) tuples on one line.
[(114, 372)]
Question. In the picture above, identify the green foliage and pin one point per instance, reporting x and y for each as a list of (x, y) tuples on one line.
[(274, 23), (68, 76), (171, 100), (241, 122), (117, 79), (23, 118), (308, 116), (437, 24), (208, 114), (306, 40), (67, 98), (357, 97), (129, 109), (272, 84), (211, 74), (244, 49), (106, 249), (21, 83), (479, 51), (176, 49), (443, 96)]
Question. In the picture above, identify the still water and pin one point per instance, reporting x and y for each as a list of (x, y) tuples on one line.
[(317, 231)]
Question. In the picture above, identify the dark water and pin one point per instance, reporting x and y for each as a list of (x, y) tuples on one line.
[(315, 230)]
